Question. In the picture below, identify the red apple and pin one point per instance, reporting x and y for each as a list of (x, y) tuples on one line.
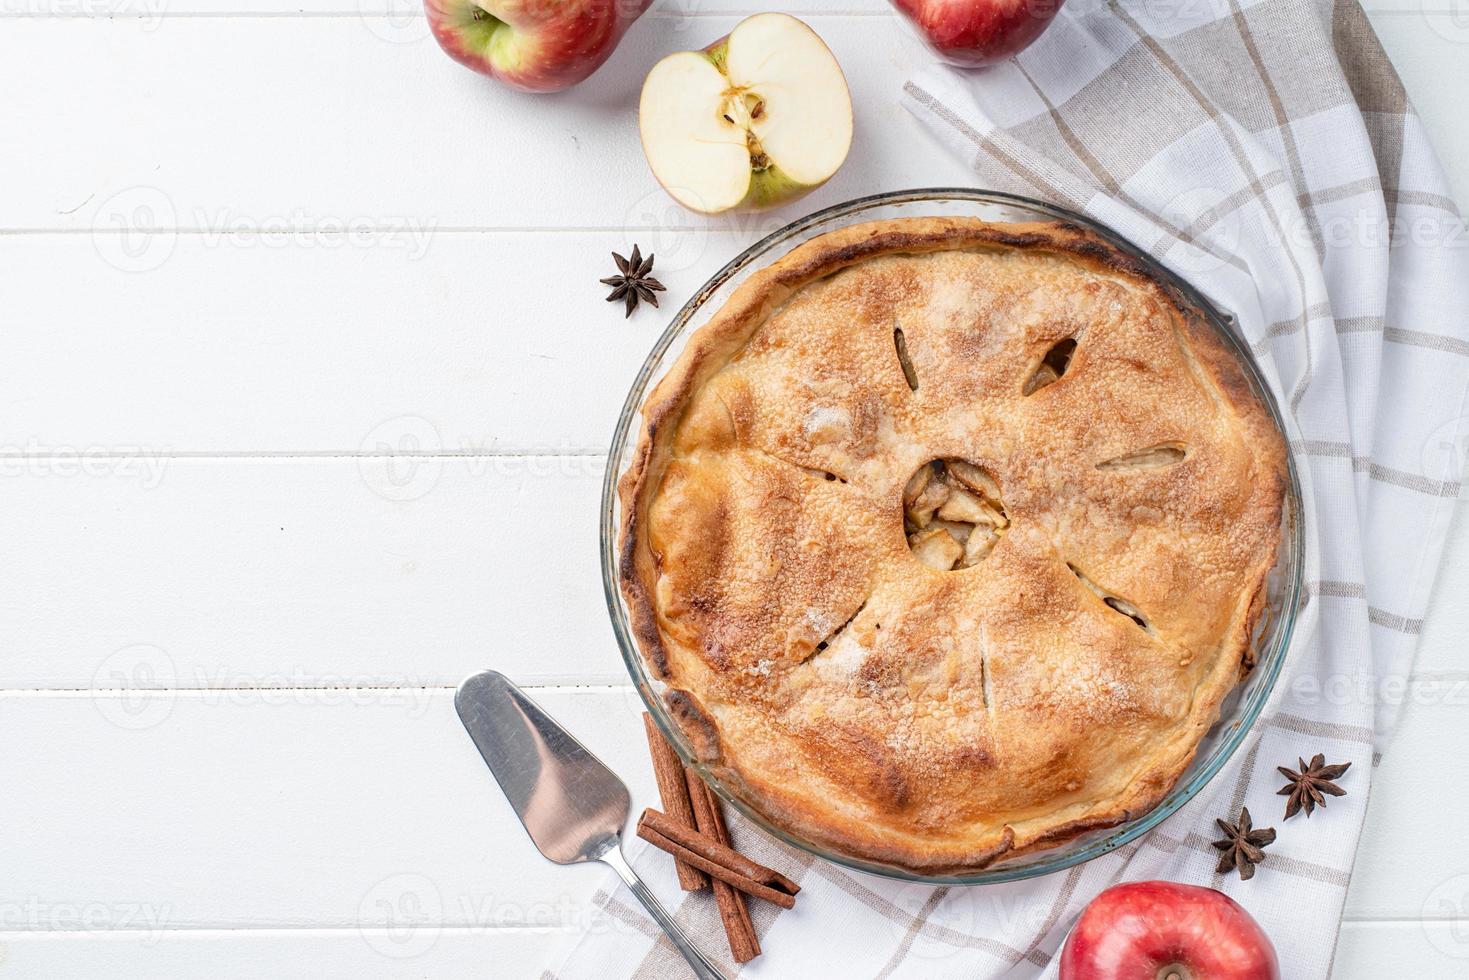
[(534, 45), (971, 33), (1160, 930)]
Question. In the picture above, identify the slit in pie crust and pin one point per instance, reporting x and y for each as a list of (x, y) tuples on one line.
[(948, 538)]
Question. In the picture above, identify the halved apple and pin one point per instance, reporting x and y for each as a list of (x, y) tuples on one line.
[(756, 119)]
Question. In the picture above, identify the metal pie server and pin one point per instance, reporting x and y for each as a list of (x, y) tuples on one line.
[(573, 806)]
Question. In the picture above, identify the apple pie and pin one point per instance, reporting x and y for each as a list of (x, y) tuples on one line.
[(949, 537)]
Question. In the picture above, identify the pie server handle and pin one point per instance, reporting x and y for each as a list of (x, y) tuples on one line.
[(703, 969)]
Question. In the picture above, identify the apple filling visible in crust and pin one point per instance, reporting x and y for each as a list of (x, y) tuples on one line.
[(948, 538), (952, 514)]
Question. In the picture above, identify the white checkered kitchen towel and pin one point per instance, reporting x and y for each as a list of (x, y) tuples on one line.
[(1266, 151)]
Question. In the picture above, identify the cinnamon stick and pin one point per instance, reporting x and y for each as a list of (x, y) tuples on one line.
[(747, 885), (744, 945), (673, 790), (714, 851), (720, 862)]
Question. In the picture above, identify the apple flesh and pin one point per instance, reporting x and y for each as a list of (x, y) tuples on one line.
[(533, 45), (972, 33), (1161, 930), (756, 119)]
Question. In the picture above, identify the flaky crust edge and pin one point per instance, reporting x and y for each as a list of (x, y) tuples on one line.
[(711, 347)]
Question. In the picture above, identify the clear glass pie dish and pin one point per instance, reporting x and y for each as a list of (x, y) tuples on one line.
[(1271, 641)]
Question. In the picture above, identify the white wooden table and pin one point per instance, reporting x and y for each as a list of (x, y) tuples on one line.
[(305, 381)]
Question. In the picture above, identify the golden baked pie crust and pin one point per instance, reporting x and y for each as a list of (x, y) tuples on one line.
[(942, 720)]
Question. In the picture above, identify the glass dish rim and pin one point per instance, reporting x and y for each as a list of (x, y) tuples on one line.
[(1269, 663)]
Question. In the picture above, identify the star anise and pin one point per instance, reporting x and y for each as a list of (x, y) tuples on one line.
[(1309, 788), (633, 282), (1242, 845)]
